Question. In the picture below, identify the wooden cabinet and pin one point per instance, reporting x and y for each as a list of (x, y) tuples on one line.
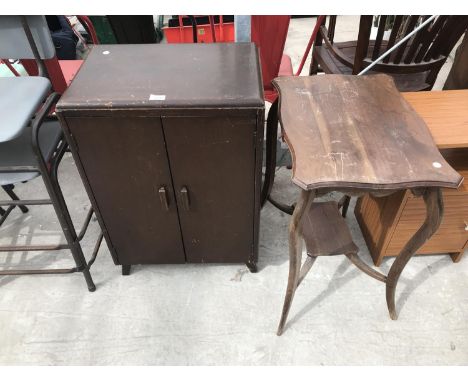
[(388, 223), (171, 158)]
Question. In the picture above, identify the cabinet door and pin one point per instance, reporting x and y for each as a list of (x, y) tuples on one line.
[(125, 163), (451, 236), (212, 162)]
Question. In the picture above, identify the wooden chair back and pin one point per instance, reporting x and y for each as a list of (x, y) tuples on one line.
[(427, 50)]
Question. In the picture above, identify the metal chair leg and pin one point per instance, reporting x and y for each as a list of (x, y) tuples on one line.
[(48, 172), (270, 152), (67, 224), (4, 214), (345, 206), (59, 204), (9, 190), (270, 161), (286, 208)]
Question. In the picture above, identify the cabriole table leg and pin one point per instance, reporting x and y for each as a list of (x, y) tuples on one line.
[(295, 252), (434, 212)]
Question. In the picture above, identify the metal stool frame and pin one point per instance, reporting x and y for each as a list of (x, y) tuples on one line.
[(48, 168)]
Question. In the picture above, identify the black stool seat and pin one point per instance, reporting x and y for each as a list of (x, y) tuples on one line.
[(20, 97), (18, 152)]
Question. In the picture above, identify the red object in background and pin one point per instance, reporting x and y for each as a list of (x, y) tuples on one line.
[(62, 72), (269, 34), (9, 66), (223, 32), (88, 25)]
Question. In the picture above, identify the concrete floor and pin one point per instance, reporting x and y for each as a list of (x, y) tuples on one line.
[(222, 314)]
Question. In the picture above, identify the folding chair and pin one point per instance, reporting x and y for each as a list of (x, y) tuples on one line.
[(32, 143)]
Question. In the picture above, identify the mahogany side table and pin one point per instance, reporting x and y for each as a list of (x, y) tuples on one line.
[(356, 135)]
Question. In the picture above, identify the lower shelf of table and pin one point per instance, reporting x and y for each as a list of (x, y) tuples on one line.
[(325, 231)]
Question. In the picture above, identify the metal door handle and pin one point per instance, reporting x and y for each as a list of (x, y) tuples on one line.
[(163, 198), (466, 225), (185, 198)]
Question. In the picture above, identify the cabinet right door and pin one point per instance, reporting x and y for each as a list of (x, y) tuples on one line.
[(212, 162)]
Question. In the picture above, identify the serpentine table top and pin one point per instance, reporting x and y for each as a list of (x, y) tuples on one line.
[(348, 132)]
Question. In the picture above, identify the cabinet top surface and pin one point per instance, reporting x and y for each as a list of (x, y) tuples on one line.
[(445, 113), (167, 76), (358, 132)]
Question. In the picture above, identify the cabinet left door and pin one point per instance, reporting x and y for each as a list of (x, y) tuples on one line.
[(125, 164)]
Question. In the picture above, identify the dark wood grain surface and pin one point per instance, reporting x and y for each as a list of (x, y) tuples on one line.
[(358, 132), (325, 231), (216, 226), (125, 175), (148, 76)]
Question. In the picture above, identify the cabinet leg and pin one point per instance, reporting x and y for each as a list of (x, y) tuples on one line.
[(126, 270), (252, 265), (456, 257)]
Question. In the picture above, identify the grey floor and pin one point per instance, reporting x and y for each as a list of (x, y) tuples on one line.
[(222, 314)]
